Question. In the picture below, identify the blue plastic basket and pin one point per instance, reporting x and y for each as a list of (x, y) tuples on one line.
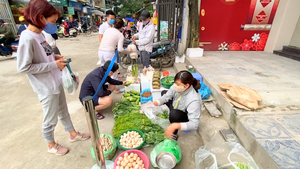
[(146, 99)]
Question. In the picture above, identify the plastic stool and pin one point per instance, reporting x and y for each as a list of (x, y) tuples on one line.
[(197, 76)]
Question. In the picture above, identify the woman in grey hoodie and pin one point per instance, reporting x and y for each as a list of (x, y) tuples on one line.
[(184, 102), (43, 69)]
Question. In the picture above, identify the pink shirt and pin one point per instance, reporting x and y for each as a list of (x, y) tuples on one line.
[(128, 26)]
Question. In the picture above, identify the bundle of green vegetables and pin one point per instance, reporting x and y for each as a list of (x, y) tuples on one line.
[(154, 134), (132, 96), (125, 107), (163, 115), (134, 70), (240, 165)]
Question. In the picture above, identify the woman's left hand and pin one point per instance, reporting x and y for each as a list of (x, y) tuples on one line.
[(171, 129), (57, 57)]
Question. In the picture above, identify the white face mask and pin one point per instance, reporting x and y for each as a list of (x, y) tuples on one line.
[(179, 89), (145, 22)]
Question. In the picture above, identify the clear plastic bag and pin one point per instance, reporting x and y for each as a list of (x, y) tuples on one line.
[(229, 154), (205, 159), (70, 82), (151, 112)]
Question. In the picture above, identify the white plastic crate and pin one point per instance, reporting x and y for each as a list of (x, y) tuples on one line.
[(194, 52)]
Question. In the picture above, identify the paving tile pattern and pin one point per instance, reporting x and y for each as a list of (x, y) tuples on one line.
[(279, 136), (277, 80)]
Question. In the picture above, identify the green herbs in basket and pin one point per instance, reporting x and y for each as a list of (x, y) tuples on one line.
[(167, 82)]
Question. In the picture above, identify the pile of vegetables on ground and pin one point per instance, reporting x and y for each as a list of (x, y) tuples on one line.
[(127, 116)]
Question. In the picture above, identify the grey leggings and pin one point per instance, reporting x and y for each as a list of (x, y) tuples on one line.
[(54, 107), (145, 56)]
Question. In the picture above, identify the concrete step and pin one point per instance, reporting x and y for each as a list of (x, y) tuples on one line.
[(287, 54), (292, 49), (179, 66)]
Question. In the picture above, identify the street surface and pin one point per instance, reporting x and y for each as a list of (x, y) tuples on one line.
[(22, 143)]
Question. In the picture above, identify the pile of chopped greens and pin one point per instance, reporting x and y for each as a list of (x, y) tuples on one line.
[(154, 134)]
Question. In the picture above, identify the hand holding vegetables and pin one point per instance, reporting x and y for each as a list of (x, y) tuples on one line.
[(126, 83)]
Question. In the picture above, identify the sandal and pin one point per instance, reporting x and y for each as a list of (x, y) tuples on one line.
[(99, 116)]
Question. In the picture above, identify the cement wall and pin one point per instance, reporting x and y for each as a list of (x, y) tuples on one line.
[(296, 35), (284, 24)]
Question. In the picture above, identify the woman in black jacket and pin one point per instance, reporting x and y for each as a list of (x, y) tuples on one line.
[(90, 85)]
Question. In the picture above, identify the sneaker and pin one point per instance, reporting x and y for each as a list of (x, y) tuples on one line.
[(58, 150), (80, 137)]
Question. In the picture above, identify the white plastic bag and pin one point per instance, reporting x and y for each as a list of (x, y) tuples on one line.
[(70, 82), (205, 159), (229, 154), (151, 112)]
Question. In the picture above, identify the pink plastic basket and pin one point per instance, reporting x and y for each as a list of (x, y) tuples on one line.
[(141, 154)]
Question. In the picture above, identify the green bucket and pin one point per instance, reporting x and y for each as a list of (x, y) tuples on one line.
[(109, 154)]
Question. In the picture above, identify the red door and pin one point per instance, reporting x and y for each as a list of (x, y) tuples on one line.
[(230, 22)]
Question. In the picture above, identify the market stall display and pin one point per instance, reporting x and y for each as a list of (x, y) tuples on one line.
[(146, 96), (156, 80), (109, 146), (167, 82), (132, 159), (131, 139)]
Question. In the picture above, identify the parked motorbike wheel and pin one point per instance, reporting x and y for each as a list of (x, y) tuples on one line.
[(60, 35), (74, 34), (94, 28), (167, 61), (125, 60)]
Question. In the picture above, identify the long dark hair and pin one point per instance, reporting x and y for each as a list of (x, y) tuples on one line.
[(187, 78), (119, 23)]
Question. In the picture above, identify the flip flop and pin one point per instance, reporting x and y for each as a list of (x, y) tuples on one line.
[(99, 116)]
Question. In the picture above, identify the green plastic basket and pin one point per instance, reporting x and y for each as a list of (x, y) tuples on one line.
[(167, 85), (140, 133), (109, 154)]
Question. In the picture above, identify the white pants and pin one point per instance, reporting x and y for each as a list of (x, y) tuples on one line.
[(105, 56), (54, 107)]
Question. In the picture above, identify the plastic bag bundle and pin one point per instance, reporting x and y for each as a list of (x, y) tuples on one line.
[(225, 155), (134, 54), (205, 159), (151, 111), (70, 82)]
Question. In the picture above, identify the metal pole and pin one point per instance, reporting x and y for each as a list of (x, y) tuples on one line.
[(94, 130)]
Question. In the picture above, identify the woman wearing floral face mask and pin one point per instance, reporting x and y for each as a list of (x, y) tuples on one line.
[(184, 102)]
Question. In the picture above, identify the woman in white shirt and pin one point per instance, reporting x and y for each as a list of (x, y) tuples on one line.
[(112, 37)]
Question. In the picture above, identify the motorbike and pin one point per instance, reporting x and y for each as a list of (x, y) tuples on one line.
[(162, 56), (126, 33), (6, 52), (62, 32), (81, 30)]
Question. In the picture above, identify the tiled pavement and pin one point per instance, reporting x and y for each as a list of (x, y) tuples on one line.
[(277, 80)]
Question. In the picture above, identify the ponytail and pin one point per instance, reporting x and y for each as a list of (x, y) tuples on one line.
[(187, 78), (196, 84)]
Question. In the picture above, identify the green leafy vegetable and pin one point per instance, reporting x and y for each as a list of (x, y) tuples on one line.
[(163, 115), (168, 79), (124, 107)]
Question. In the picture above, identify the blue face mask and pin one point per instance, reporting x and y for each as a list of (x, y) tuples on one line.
[(50, 28), (112, 21)]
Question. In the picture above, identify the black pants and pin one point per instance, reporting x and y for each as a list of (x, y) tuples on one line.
[(129, 34), (175, 114), (7, 42)]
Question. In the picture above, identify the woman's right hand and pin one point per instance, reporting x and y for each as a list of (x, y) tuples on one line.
[(61, 64)]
